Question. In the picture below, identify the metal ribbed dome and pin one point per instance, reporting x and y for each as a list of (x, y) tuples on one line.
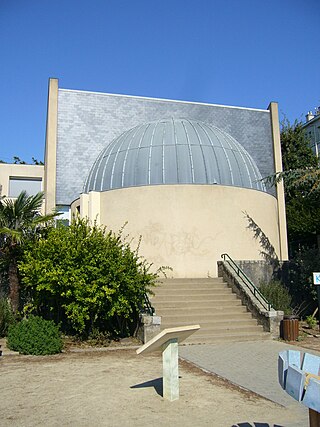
[(173, 151)]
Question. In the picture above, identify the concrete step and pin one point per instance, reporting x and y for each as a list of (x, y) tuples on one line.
[(193, 298), (193, 280), (180, 290), (201, 318), (187, 311), (206, 324), (218, 339), (222, 329), (199, 304), (209, 303), (216, 280)]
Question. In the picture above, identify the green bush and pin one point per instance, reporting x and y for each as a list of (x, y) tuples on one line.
[(35, 336), (278, 295), (311, 322), (87, 278), (6, 316)]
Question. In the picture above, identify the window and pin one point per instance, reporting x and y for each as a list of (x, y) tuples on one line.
[(64, 217), (31, 185)]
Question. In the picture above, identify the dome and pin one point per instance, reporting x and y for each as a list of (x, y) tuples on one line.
[(173, 151)]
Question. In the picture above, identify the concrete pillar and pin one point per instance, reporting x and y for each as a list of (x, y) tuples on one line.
[(170, 370), (50, 162), (94, 207), (275, 128), (84, 205)]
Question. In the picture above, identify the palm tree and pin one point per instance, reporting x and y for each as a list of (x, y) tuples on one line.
[(20, 221)]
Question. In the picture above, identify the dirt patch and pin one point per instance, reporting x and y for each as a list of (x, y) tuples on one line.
[(308, 338), (119, 388)]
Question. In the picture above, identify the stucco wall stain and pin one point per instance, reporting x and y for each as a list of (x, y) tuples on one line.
[(179, 243)]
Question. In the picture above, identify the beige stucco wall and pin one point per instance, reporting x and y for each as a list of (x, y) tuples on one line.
[(188, 227), (8, 170)]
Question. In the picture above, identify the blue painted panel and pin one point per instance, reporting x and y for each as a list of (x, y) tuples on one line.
[(294, 358), (311, 364), (282, 368), (295, 382), (312, 396)]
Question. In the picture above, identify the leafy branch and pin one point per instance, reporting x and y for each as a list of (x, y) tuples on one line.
[(268, 251), (305, 179)]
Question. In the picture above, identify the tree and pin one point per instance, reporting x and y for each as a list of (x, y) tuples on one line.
[(301, 176), (295, 148), (18, 161), (20, 221), (305, 179), (37, 162), (300, 165)]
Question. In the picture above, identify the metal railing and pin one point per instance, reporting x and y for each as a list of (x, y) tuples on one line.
[(147, 308), (248, 283)]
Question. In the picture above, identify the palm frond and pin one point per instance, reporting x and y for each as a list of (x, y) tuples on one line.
[(14, 235), (21, 217)]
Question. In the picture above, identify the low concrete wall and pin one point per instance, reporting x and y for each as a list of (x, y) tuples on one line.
[(257, 271), (263, 272), (270, 320), (149, 327)]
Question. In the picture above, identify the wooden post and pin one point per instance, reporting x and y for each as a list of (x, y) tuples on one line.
[(314, 418)]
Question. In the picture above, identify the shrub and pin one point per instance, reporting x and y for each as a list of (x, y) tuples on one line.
[(6, 316), (87, 278), (278, 295), (35, 336), (299, 279), (311, 321)]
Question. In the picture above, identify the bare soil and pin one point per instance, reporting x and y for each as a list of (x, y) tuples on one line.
[(116, 387), (308, 338)]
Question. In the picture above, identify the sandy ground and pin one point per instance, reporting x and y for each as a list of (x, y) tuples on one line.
[(120, 388)]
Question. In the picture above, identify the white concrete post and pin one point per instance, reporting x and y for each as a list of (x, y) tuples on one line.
[(170, 370), (168, 341)]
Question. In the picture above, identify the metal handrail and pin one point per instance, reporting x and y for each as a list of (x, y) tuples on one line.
[(249, 284), (147, 305)]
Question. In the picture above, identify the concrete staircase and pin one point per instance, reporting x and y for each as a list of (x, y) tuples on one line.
[(209, 303)]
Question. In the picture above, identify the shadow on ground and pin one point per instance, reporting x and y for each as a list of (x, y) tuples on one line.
[(245, 424), (156, 383)]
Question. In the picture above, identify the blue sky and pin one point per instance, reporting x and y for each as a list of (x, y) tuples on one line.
[(233, 52)]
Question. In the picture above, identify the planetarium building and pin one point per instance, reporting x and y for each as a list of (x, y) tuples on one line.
[(181, 175)]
